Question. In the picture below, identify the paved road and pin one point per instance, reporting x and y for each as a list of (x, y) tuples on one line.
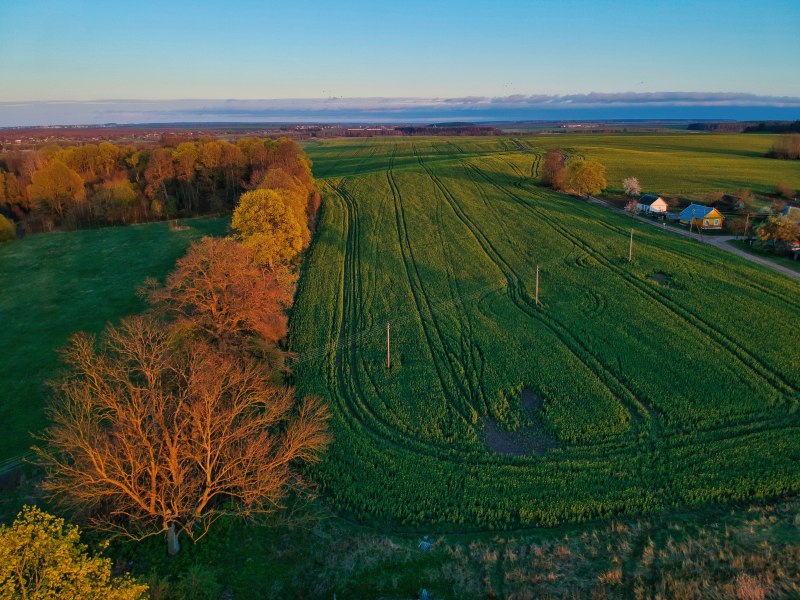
[(720, 241)]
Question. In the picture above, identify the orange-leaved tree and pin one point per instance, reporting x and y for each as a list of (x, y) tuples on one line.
[(219, 288), (147, 437)]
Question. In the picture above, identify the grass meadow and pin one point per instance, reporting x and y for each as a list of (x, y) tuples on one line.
[(57, 284)]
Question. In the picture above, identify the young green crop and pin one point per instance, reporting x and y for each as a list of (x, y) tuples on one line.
[(650, 389)]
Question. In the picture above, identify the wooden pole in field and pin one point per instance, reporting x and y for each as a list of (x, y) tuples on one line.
[(537, 285), (630, 248), (388, 346), (746, 224)]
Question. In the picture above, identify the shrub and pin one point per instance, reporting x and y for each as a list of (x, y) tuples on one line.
[(785, 190), (40, 557), (7, 230)]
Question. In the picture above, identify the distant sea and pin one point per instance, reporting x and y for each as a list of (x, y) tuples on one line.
[(16, 114)]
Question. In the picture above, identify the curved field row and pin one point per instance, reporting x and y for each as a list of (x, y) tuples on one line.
[(445, 247), (767, 375)]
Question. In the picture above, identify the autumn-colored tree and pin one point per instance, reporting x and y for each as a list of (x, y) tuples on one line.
[(296, 196), (219, 289), (151, 438), (56, 186), (267, 224), (779, 232), (42, 558), (14, 195), (108, 156), (7, 230), (288, 155), (233, 164), (158, 172), (185, 158), (256, 156), (114, 200), (631, 186), (554, 169), (785, 190), (586, 177), (787, 147)]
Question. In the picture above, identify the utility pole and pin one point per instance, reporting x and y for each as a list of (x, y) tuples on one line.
[(630, 248), (537, 285), (388, 346), (746, 224)]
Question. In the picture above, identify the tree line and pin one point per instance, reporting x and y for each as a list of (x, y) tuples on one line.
[(105, 184), (180, 416)]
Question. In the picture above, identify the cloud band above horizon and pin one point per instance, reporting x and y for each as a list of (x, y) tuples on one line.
[(641, 105)]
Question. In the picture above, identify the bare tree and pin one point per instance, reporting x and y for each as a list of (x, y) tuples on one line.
[(632, 206), (150, 438), (631, 186)]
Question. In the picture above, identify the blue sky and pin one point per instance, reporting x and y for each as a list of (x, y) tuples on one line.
[(241, 49)]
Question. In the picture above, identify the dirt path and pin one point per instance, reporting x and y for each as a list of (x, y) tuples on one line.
[(719, 241)]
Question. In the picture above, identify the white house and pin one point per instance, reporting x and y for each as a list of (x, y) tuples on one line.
[(651, 204)]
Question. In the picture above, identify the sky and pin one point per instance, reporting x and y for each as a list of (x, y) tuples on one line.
[(445, 58)]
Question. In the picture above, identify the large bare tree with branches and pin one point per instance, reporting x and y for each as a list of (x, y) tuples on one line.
[(148, 436)]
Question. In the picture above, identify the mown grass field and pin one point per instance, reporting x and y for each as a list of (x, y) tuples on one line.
[(672, 380), (57, 284)]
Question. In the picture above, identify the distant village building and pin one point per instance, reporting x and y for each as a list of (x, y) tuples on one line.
[(703, 217), (652, 204)]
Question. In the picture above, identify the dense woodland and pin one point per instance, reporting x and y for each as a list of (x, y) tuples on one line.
[(94, 185)]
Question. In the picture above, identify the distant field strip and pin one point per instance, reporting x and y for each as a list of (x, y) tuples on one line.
[(646, 394)]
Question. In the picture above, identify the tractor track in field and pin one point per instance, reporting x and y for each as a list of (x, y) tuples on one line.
[(423, 305), (365, 420), (638, 412), (519, 184), (346, 383), (469, 347), (346, 376), (754, 365), (635, 406), (668, 249)]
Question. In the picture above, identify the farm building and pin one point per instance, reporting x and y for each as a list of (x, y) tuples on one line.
[(792, 213), (652, 204), (701, 216)]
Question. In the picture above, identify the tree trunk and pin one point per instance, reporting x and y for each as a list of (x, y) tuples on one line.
[(173, 546)]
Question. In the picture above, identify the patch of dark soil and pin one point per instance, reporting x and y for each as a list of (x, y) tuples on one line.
[(530, 401), (530, 441), (661, 278)]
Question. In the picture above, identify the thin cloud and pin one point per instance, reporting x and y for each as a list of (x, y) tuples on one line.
[(333, 109)]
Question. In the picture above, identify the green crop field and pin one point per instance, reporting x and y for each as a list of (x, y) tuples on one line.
[(681, 163), (56, 284), (672, 380)]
